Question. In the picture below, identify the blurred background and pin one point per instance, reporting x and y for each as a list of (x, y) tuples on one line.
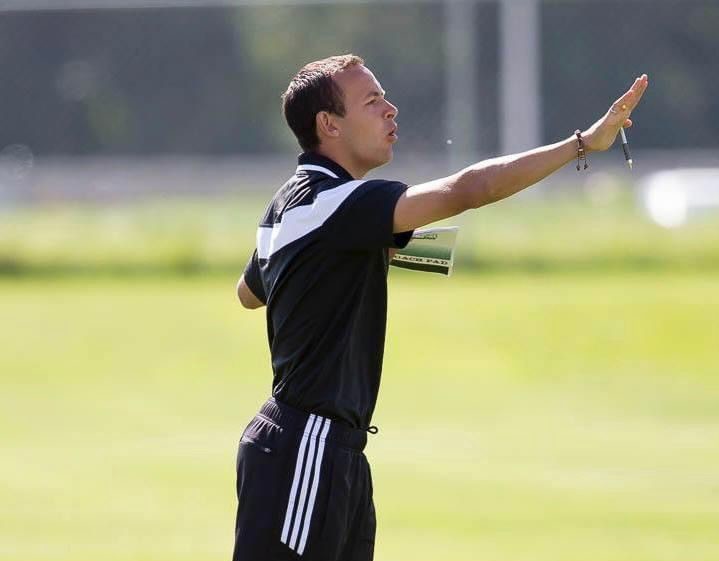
[(555, 399)]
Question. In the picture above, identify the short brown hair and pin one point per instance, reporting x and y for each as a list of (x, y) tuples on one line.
[(313, 90)]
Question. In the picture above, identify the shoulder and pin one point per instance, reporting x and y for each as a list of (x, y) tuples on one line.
[(375, 191)]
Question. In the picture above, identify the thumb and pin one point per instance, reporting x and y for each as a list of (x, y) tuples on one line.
[(628, 123)]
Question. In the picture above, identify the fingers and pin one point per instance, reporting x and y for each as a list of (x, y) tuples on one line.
[(639, 87), (626, 104), (628, 123)]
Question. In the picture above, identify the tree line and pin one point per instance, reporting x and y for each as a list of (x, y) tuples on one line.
[(208, 81)]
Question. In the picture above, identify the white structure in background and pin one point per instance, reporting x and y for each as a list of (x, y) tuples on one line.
[(520, 124), (670, 196), (461, 82), (520, 93)]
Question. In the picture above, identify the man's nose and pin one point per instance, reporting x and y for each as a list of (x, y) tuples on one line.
[(392, 111)]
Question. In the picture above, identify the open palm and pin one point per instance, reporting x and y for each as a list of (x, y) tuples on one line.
[(602, 134)]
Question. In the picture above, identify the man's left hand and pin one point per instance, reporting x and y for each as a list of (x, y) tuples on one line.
[(602, 134)]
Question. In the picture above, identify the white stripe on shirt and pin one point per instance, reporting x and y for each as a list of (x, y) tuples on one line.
[(301, 220)]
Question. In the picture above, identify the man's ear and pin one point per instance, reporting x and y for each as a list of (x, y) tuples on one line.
[(326, 125)]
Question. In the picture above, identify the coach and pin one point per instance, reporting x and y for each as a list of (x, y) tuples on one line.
[(320, 266)]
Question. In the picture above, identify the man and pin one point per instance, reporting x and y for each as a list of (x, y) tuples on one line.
[(320, 267)]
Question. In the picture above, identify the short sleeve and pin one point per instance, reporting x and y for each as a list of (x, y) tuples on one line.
[(366, 219), (253, 280)]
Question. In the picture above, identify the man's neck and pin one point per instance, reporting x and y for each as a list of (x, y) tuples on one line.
[(357, 172)]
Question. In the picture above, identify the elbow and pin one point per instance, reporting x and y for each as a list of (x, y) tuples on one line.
[(238, 293), (245, 303), (246, 298), (250, 305), (242, 300)]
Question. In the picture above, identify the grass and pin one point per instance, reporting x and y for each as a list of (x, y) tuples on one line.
[(560, 232), (522, 417)]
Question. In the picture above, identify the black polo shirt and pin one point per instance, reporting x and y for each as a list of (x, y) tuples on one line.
[(321, 267)]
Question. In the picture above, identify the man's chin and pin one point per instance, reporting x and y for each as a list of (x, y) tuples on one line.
[(386, 157)]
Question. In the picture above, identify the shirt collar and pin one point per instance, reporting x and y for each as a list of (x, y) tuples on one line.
[(311, 162)]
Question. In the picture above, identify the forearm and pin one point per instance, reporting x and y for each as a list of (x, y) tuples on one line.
[(498, 178)]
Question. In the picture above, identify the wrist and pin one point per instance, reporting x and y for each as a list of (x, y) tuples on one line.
[(582, 150), (589, 144)]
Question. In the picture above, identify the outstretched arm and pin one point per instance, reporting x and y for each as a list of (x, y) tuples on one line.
[(495, 179)]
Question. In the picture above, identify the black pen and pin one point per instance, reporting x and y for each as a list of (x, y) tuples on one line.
[(625, 147)]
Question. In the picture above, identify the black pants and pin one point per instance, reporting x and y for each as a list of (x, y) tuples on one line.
[(304, 489)]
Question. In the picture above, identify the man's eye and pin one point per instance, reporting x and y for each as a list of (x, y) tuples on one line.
[(371, 101)]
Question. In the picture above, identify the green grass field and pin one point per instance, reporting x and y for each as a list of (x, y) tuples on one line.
[(562, 417), (567, 231)]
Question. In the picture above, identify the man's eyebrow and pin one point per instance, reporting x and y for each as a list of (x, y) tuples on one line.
[(376, 93)]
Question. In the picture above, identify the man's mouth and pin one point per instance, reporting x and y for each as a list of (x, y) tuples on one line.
[(393, 133)]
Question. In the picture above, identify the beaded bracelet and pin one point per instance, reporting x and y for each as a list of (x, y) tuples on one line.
[(581, 153)]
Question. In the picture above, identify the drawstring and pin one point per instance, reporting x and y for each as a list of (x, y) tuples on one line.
[(372, 429)]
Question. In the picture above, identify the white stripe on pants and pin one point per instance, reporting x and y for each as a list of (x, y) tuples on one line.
[(297, 519)]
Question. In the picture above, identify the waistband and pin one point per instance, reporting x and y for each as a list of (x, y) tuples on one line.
[(314, 425)]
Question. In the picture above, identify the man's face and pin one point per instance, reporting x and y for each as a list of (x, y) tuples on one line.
[(368, 129)]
